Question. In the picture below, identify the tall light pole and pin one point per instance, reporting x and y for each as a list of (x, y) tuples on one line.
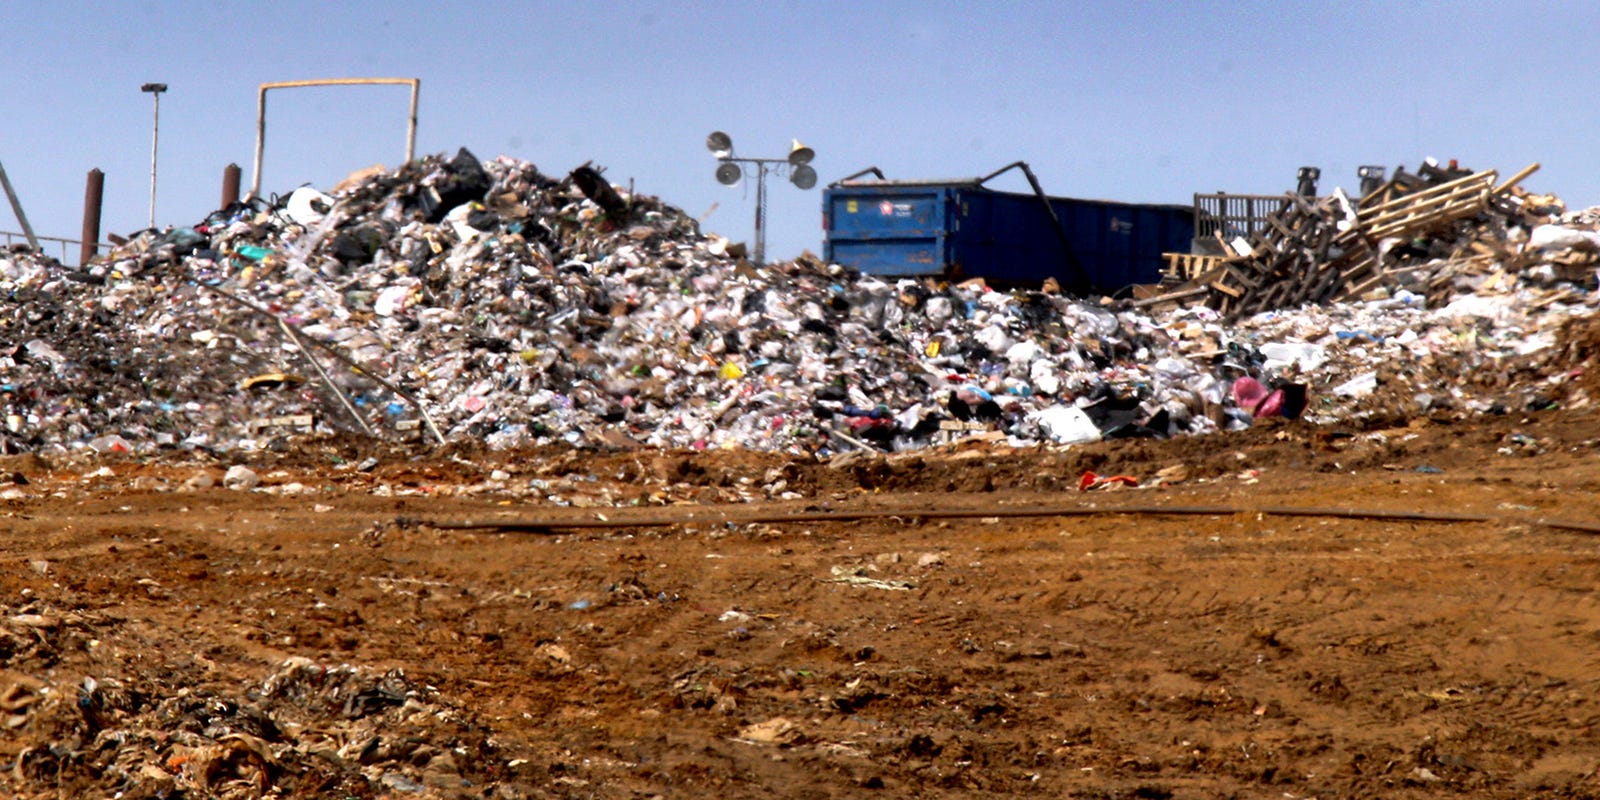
[(155, 90), (730, 169)]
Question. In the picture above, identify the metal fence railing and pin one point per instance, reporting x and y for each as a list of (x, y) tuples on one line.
[(70, 249), (1233, 215)]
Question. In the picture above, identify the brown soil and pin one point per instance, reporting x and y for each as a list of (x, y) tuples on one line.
[(336, 639)]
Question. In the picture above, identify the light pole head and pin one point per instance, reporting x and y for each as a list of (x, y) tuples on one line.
[(731, 169), (803, 176), (153, 88), (800, 154)]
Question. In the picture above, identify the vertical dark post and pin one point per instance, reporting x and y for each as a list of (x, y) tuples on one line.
[(230, 185), (1307, 184), (93, 198)]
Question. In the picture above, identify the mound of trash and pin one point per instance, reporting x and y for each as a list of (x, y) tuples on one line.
[(459, 300), (305, 729)]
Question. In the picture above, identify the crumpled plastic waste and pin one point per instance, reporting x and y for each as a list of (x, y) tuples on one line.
[(1090, 481), (1553, 237), (1257, 399), (1066, 424)]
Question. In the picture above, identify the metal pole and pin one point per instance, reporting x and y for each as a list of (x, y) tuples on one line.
[(16, 208), (155, 139), (721, 147), (230, 185), (761, 213), (358, 368), (93, 198), (411, 127), (261, 140), (1078, 279), (317, 365)]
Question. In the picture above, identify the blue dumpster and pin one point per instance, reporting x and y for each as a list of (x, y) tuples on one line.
[(962, 229)]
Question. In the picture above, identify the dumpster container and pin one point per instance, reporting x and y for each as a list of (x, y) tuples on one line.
[(963, 229)]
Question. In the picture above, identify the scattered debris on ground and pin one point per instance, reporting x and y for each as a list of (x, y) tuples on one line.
[(881, 622)]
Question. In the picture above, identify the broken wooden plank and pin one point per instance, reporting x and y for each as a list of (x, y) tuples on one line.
[(1171, 297), (1517, 178)]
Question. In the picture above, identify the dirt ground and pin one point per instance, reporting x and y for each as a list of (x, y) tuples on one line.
[(896, 626)]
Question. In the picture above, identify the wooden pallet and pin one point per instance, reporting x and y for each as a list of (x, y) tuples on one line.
[(1321, 250)]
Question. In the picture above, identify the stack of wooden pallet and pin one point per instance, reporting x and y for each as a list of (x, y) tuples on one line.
[(1417, 230)]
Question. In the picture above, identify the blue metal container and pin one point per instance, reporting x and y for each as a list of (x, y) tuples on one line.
[(962, 229)]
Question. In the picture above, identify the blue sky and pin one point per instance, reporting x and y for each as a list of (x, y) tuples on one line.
[(1145, 102)]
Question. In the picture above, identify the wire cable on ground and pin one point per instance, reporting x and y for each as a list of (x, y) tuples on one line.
[(553, 526)]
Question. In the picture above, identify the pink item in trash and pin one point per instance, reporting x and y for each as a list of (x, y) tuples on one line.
[(1254, 398), (1248, 392), (1270, 407)]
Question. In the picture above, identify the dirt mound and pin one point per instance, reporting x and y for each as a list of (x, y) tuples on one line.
[(1287, 610)]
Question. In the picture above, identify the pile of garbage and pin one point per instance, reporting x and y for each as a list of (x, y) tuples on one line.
[(1426, 232), (1511, 347), (456, 300), (305, 729)]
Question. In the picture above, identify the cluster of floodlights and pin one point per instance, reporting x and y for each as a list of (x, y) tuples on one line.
[(731, 168)]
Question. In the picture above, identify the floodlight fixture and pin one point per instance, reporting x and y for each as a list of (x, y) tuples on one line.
[(803, 176), (731, 169)]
